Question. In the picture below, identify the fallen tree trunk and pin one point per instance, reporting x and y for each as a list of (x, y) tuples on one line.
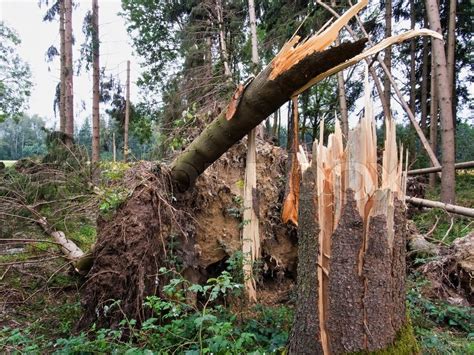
[(435, 169), (464, 211), (259, 100)]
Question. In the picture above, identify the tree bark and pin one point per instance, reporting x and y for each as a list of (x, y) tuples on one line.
[(463, 211), (253, 32), (69, 71), (62, 91), (341, 90), (341, 94), (223, 45), (463, 165), (260, 99), (127, 115), (451, 60), (388, 53), (433, 117), (95, 83), (445, 104), (424, 86), (412, 60), (351, 256)]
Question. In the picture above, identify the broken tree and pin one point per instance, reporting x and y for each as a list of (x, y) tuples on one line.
[(351, 271), (131, 245)]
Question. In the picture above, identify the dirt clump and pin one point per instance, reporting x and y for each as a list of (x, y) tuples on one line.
[(194, 233)]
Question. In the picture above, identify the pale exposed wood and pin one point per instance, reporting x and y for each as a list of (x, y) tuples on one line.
[(294, 50), (464, 211), (354, 168), (127, 115), (372, 71), (463, 165), (370, 52), (290, 205), (250, 233)]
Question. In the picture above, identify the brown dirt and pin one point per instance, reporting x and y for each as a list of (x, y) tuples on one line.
[(451, 274), (203, 224), (129, 251)]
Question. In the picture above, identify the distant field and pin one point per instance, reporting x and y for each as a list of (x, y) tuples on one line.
[(8, 162)]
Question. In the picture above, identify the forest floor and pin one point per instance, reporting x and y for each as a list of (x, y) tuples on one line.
[(40, 303)]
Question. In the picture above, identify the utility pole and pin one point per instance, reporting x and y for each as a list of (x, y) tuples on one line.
[(127, 115), (95, 83)]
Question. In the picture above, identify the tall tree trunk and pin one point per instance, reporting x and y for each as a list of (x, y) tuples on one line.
[(445, 105), (62, 90), (424, 85), (341, 95), (223, 45), (451, 60), (412, 60), (127, 115), (253, 33), (433, 117), (69, 71), (388, 52), (95, 83)]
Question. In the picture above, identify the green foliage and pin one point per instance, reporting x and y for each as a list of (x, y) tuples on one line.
[(174, 326), (441, 328), (22, 138), (15, 80)]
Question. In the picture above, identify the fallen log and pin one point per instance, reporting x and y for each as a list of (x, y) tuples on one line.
[(81, 261), (463, 211), (435, 169), (259, 100)]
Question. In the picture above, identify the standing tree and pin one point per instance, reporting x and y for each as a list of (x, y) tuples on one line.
[(15, 82), (444, 93), (95, 83), (68, 68), (388, 53), (62, 84)]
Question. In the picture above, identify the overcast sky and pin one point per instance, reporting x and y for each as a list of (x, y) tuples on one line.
[(25, 16)]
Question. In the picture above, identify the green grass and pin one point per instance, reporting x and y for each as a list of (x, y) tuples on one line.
[(8, 163)]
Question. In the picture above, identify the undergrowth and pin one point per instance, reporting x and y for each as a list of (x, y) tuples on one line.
[(441, 328), (176, 326)]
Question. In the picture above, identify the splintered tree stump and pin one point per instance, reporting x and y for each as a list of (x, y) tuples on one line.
[(352, 230)]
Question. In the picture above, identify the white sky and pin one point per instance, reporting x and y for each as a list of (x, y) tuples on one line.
[(25, 16)]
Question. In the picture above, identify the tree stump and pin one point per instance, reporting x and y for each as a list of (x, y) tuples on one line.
[(352, 230)]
